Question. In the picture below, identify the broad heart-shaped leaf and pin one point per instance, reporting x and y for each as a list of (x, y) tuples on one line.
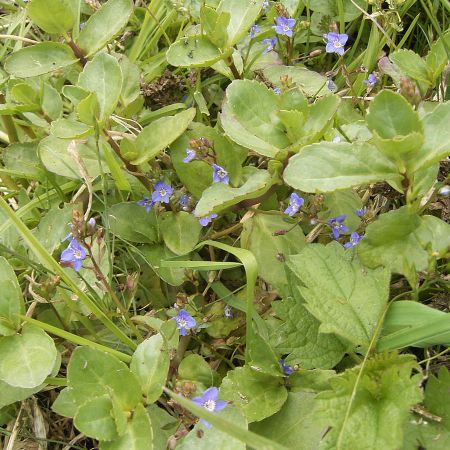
[(11, 394), (207, 438), (404, 241), (150, 364), (220, 196), (369, 412), (257, 394), (249, 118), (155, 137), (92, 374), (270, 250), (347, 299), (142, 228), (95, 418), (297, 335), (104, 25), (180, 231), (27, 359), (11, 300), (138, 434), (327, 166), (436, 144), (39, 59), (193, 51), (390, 115), (411, 65), (53, 16), (103, 76), (55, 156), (242, 16), (294, 425)]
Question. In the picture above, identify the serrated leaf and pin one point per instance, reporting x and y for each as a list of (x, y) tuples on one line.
[(39, 59), (327, 166), (257, 394), (437, 57), (346, 298), (411, 65)]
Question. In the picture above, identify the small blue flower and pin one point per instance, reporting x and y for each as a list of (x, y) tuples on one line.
[(207, 219), (147, 202), (361, 212), (335, 43), (82, 24), (162, 192), (271, 43), (184, 200), (209, 401), (331, 85), (254, 30), (73, 255), (295, 203), (371, 81), (70, 236), (287, 369), (184, 322), (277, 90), (228, 312), (444, 191), (190, 155), (220, 175), (284, 26), (337, 226), (355, 239)]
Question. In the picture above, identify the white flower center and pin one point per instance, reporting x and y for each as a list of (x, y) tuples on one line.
[(162, 192), (182, 322), (222, 174), (286, 28), (337, 44), (77, 254), (210, 405)]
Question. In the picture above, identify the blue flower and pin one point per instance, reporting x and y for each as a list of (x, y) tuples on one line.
[(184, 200), (205, 220), (284, 26), (335, 43), (295, 203), (220, 175), (337, 225), (444, 191), (287, 369), (148, 203), (209, 401), (361, 212), (277, 90), (254, 30), (162, 192), (228, 312), (184, 322), (190, 155), (331, 85), (73, 255), (355, 239), (270, 44), (371, 81)]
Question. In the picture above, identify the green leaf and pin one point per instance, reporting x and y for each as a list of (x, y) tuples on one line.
[(297, 334), (150, 364), (194, 368), (27, 359), (340, 202), (327, 166), (155, 137), (347, 300), (65, 404), (141, 229), (70, 129), (215, 25), (11, 300), (53, 16), (103, 76), (92, 373), (207, 438), (270, 250), (104, 25), (22, 158), (138, 434), (163, 424), (370, 410), (193, 51), (330, 8), (294, 425), (400, 239), (263, 358), (220, 196), (12, 394), (249, 118), (437, 57), (436, 144), (242, 16), (257, 394), (51, 102), (95, 418), (39, 59), (411, 65)]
